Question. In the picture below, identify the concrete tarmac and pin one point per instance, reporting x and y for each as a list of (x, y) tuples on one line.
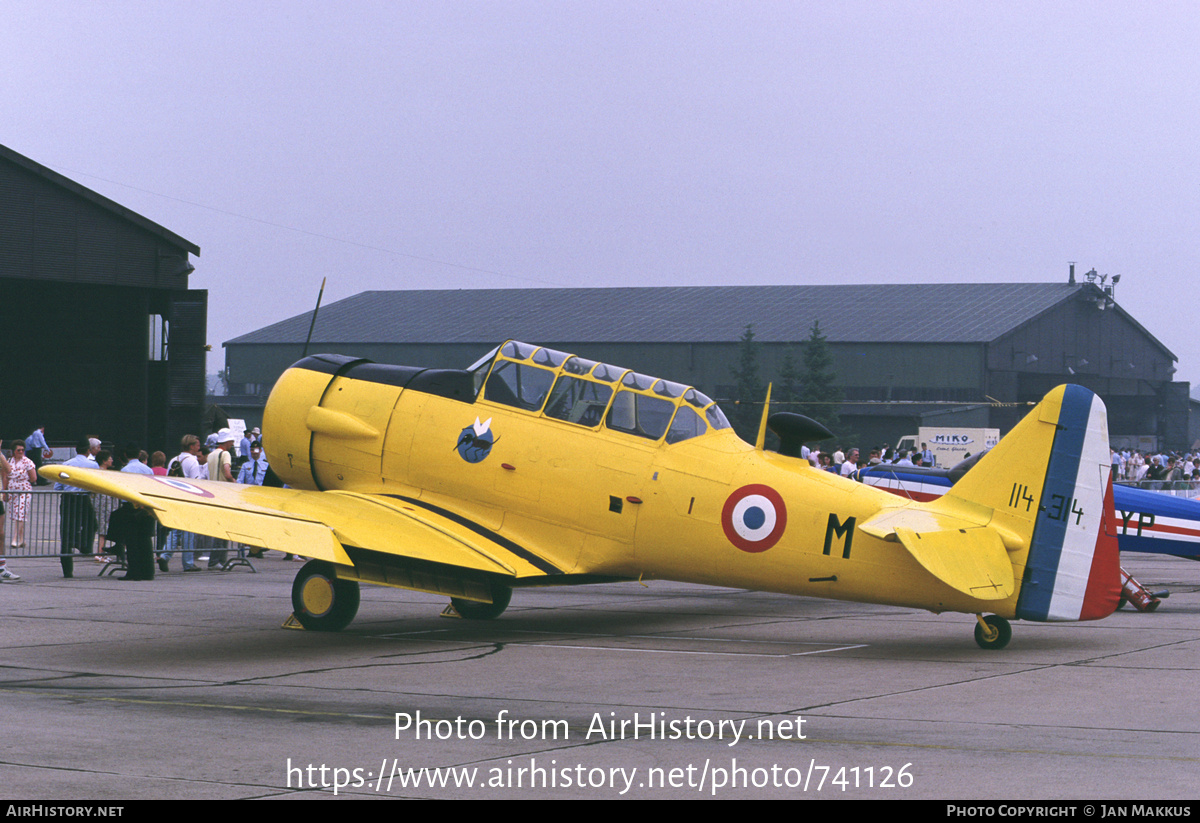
[(188, 687)]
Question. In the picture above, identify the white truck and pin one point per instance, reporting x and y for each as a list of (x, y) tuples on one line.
[(949, 445)]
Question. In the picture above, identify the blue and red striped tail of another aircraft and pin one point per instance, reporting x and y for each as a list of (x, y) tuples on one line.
[(1150, 522)]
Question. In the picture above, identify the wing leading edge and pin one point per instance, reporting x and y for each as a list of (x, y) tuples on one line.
[(321, 525)]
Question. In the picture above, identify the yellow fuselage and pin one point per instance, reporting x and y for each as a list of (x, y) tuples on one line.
[(593, 501)]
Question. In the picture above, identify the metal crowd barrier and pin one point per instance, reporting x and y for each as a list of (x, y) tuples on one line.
[(35, 526)]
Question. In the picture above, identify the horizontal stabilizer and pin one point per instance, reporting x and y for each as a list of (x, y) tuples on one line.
[(971, 560), (958, 549)]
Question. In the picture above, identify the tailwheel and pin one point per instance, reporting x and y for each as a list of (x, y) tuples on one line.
[(474, 610), (322, 602), (992, 632)]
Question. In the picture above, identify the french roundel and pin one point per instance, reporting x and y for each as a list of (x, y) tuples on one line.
[(184, 486), (754, 518)]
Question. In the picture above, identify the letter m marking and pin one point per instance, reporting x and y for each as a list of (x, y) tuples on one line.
[(836, 528)]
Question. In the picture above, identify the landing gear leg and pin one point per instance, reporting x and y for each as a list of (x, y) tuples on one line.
[(992, 632)]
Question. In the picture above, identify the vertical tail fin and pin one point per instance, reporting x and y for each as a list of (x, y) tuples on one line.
[(1049, 486)]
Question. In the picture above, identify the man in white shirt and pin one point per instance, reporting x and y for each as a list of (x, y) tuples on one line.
[(220, 468), (185, 464), (851, 464)]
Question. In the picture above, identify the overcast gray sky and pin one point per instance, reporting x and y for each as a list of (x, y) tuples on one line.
[(411, 145)]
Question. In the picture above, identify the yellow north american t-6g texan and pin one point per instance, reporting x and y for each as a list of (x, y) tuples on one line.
[(536, 468)]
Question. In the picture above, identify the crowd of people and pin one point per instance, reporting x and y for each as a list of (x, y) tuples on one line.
[(1172, 471), (95, 525), (1161, 471), (845, 463)]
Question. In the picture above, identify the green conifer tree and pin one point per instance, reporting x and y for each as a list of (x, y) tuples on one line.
[(787, 389), (820, 393), (749, 390)]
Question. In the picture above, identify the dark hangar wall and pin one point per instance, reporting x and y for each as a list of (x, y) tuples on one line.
[(80, 279), (1103, 350)]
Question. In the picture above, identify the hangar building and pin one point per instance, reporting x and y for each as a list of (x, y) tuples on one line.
[(102, 334), (905, 355)]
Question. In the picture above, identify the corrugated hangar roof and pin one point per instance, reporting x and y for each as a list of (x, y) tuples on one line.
[(100, 200), (930, 313)]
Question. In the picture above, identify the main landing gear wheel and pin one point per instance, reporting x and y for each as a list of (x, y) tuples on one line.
[(321, 602), (992, 632), (474, 610)]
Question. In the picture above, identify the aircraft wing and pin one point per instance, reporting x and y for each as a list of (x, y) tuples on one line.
[(320, 525)]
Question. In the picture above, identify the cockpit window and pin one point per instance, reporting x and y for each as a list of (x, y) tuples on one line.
[(517, 350), (519, 385), (607, 373), (549, 357), (578, 401), (587, 393), (687, 424), (577, 365), (640, 414), (638, 381), (484, 362), (716, 417), (479, 369), (666, 388)]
